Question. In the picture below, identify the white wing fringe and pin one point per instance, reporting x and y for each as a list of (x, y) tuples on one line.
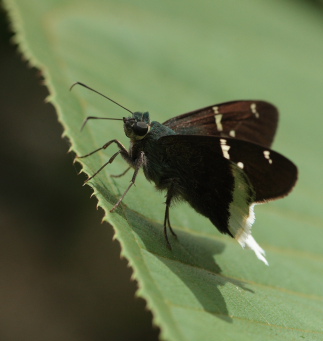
[(250, 243)]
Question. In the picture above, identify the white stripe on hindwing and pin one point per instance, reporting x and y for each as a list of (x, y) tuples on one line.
[(241, 212)]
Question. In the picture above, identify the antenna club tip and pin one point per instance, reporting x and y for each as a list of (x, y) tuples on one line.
[(99, 93), (79, 83), (72, 86)]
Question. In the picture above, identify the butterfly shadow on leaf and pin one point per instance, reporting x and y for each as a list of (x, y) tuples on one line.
[(192, 259)]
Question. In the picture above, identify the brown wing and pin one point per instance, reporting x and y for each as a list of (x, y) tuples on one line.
[(271, 174), (253, 121)]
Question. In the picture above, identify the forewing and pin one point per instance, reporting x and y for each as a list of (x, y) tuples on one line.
[(271, 174), (205, 179), (253, 121)]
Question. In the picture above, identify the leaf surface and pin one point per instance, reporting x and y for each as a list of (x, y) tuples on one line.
[(169, 59)]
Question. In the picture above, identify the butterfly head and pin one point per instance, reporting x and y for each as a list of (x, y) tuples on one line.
[(137, 126)]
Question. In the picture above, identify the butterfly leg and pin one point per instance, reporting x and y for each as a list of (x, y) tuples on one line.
[(99, 170), (138, 165), (169, 197), (105, 146), (122, 150), (120, 175)]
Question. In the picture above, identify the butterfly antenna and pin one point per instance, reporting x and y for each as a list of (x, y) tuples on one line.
[(98, 118), (99, 93)]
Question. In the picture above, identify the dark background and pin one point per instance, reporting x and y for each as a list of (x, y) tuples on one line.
[(61, 277)]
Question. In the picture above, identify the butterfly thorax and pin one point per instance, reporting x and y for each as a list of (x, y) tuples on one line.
[(156, 164)]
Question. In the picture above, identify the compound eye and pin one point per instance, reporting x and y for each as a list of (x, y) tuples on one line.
[(140, 129)]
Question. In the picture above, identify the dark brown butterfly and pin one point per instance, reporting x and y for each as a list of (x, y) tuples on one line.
[(218, 159)]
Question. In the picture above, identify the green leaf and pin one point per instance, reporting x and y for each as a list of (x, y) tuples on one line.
[(170, 58)]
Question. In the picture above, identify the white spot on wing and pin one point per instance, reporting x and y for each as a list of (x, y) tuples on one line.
[(215, 110), (267, 156), (240, 164), (253, 108), (232, 133), (225, 148), (218, 123), (241, 213)]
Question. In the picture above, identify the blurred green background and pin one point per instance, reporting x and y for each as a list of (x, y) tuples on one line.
[(61, 277)]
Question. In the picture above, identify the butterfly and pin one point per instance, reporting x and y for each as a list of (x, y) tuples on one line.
[(218, 159)]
